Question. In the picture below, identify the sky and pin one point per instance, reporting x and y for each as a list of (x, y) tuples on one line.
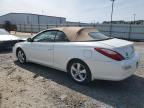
[(90, 11)]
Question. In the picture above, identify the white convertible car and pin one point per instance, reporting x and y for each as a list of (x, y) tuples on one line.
[(84, 53)]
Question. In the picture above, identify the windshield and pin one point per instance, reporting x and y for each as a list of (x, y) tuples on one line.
[(98, 36), (3, 32)]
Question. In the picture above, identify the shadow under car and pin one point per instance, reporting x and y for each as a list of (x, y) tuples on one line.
[(128, 93)]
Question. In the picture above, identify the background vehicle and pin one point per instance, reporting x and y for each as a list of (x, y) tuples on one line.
[(7, 41), (84, 53)]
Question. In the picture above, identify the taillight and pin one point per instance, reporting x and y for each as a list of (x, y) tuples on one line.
[(110, 53)]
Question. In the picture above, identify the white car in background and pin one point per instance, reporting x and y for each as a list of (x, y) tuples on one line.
[(7, 41), (84, 53)]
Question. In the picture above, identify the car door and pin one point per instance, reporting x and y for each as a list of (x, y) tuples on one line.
[(41, 48), (60, 50)]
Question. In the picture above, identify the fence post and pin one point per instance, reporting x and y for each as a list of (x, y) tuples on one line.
[(39, 27), (47, 27), (110, 30), (31, 30), (79, 24), (24, 28), (56, 24), (130, 30), (20, 28)]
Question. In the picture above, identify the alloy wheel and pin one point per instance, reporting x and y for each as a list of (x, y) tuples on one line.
[(78, 72), (21, 56)]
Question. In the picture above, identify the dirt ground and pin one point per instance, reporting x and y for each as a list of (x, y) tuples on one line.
[(36, 86)]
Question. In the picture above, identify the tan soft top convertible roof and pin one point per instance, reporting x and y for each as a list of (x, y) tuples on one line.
[(76, 33)]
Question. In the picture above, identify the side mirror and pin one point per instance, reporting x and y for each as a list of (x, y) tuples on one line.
[(29, 40)]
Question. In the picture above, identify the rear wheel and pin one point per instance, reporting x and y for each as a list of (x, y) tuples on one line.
[(79, 72), (21, 56)]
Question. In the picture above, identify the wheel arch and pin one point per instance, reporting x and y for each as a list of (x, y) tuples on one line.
[(75, 59)]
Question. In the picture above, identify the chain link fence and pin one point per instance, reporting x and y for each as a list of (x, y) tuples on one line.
[(123, 31)]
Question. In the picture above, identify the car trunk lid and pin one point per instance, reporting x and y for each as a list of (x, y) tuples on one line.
[(125, 48), (8, 37)]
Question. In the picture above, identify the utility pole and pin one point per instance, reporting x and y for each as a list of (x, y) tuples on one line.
[(134, 15), (111, 17)]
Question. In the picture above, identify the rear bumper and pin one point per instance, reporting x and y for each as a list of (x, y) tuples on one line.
[(115, 71)]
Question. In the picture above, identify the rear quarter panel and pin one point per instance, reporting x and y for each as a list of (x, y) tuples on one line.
[(64, 52)]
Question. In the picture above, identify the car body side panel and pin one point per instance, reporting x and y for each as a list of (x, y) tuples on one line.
[(41, 53), (64, 52)]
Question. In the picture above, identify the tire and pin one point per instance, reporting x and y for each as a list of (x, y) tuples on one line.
[(79, 72), (21, 56)]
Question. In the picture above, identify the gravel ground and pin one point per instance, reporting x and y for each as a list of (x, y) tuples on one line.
[(35, 86)]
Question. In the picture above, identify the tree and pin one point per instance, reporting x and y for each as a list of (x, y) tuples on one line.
[(7, 26)]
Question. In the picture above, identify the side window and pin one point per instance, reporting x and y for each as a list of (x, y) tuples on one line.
[(61, 37), (46, 36)]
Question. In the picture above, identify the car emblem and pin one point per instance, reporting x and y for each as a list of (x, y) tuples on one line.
[(127, 55)]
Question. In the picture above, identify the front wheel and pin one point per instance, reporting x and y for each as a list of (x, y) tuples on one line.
[(21, 56), (79, 72)]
